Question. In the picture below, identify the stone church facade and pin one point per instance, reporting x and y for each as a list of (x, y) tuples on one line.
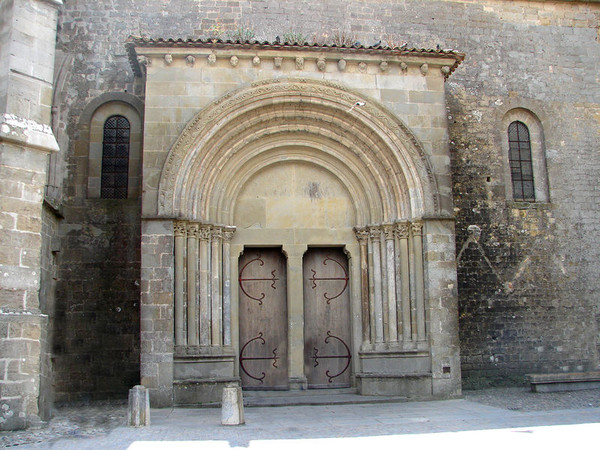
[(394, 197)]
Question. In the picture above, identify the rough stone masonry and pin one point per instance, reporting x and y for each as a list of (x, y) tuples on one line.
[(70, 263)]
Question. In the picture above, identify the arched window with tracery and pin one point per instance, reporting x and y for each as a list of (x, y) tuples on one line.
[(115, 157), (521, 163)]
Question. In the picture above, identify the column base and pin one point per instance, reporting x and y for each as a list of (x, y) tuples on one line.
[(413, 386), (298, 384)]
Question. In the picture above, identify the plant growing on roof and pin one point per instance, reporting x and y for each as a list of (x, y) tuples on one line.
[(216, 32), (393, 41), (343, 38), (320, 39), (294, 37), (241, 34)]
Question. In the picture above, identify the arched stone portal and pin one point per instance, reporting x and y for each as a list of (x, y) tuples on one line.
[(366, 146), (295, 164)]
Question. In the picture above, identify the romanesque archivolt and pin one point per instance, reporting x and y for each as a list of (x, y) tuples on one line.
[(384, 164)]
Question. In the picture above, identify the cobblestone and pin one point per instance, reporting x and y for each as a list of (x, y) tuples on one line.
[(71, 421), (522, 399)]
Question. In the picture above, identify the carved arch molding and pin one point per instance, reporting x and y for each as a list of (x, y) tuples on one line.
[(367, 148)]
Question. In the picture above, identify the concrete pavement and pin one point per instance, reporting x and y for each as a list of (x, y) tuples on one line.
[(434, 424)]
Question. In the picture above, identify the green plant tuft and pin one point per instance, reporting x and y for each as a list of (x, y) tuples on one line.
[(241, 34)]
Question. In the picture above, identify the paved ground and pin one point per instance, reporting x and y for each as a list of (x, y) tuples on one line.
[(483, 419)]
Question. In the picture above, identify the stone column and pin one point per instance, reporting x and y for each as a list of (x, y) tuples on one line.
[(362, 234), (384, 286), (404, 323), (192, 302), (295, 299), (375, 233), (216, 268), (204, 270), (417, 239), (227, 236), (371, 288), (180, 233), (390, 261)]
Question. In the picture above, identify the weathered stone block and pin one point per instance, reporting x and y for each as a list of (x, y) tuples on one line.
[(139, 407), (232, 406)]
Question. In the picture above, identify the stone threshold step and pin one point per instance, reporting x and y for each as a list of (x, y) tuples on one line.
[(314, 397)]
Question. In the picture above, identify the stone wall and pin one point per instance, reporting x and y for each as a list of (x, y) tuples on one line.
[(27, 65), (526, 286), (157, 324), (22, 323), (48, 278), (96, 327)]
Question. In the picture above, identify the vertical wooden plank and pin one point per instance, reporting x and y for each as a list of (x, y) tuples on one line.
[(263, 320), (326, 318)]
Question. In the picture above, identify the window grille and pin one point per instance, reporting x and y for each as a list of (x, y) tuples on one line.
[(521, 164), (115, 157)]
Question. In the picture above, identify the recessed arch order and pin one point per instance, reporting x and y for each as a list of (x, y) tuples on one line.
[(358, 141)]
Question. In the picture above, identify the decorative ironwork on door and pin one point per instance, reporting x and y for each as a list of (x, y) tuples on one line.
[(345, 357), (243, 358), (263, 320), (344, 278), (242, 280), (327, 355)]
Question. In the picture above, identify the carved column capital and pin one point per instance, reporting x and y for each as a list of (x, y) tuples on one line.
[(402, 230), (416, 228), (204, 233), (375, 232), (388, 231), (216, 233), (362, 234), (179, 228), (228, 233), (193, 230)]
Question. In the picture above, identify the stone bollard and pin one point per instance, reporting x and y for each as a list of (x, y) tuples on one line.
[(139, 407), (232, 406)]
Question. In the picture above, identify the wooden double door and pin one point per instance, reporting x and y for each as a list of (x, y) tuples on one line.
[(264, 323)]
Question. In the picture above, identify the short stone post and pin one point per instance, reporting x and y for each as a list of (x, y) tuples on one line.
[(232, 406), (139, 407)]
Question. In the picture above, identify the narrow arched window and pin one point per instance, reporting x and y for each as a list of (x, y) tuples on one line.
[(521, 164), (115, 157)]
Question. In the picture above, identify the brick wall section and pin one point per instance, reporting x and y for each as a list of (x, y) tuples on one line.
[(157, 310), (27, 60), (20, 349), (518, 53), (22, 325), (440, 282), (96, 327), (48, 277)]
